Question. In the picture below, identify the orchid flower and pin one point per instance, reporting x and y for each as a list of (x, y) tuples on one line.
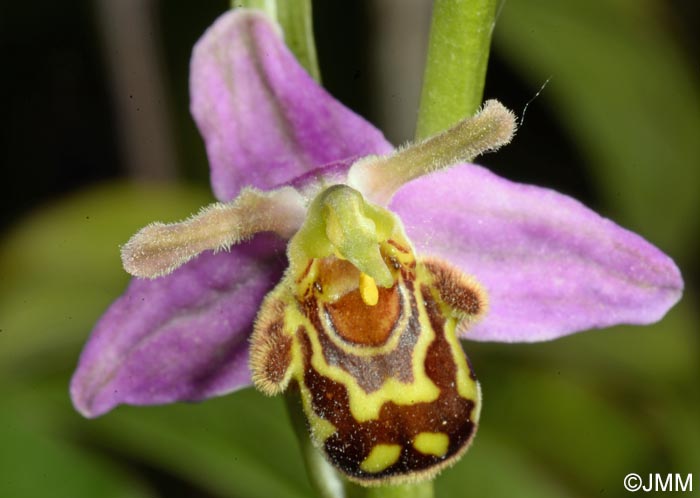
[(363, 264)]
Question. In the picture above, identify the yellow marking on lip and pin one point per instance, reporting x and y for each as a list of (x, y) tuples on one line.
[(381, 457), (466, 386), (432, 443), (365, 407), (321, 428)]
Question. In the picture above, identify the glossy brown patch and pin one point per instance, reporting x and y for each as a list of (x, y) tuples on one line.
[(371, 371), (359, 323)]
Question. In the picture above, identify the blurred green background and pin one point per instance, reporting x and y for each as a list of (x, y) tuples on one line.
[(97, 141)]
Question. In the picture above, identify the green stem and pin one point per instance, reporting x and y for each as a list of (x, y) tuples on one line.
[(297, 22), (455, 71), (267, 6), (420, 490), (294, 16), (323, 477)]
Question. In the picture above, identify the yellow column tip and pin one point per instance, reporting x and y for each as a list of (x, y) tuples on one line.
[(368, 290)]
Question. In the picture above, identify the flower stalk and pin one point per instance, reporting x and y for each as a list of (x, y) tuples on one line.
[(420, 490), (325, 480), (455, 71), (294, 16)]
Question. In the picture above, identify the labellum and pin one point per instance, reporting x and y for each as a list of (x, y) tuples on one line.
[(387, 391)]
